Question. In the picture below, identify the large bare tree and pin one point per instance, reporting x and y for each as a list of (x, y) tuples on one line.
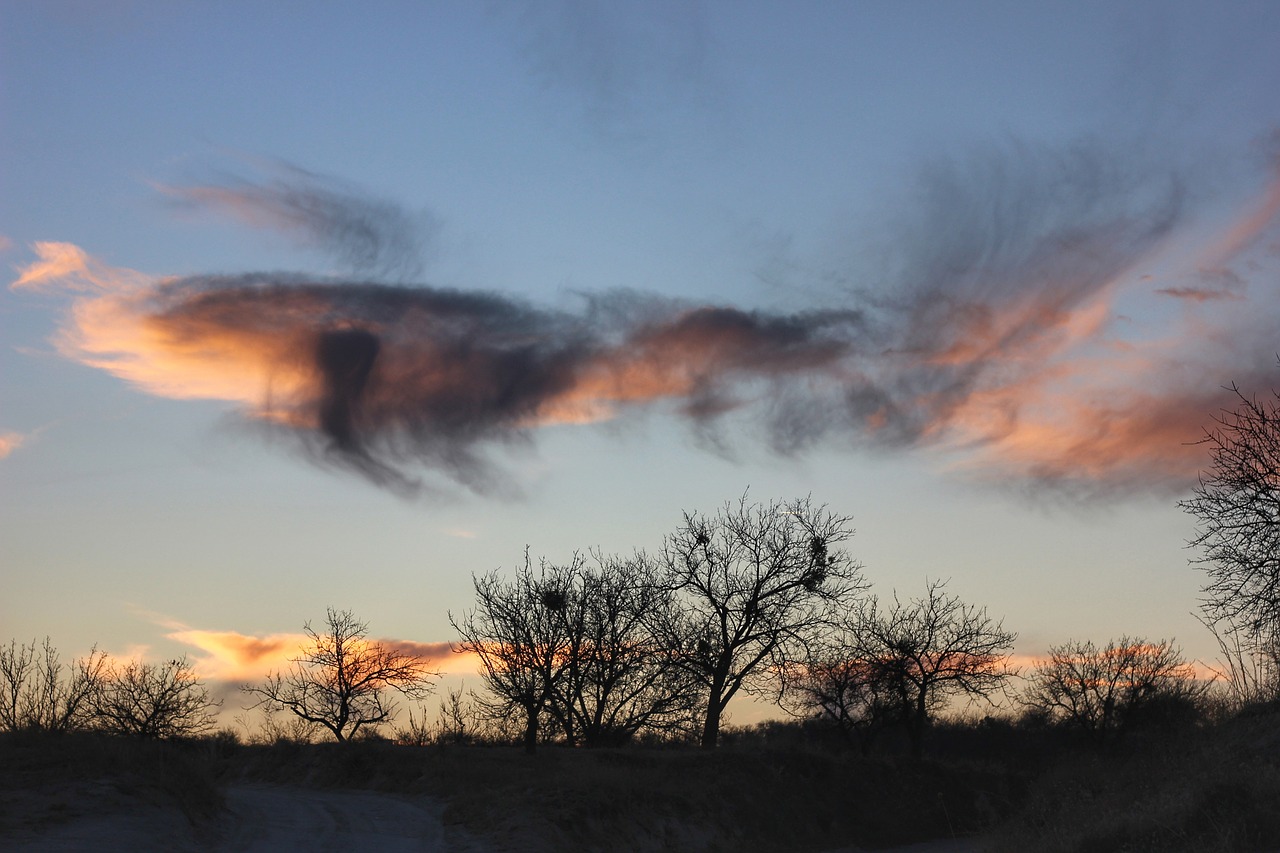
[(341, 679), (1237, 504), (520, 632), (929, 649), (756, 584), (619, 679)]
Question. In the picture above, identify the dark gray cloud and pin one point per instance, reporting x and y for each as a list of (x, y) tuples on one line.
[(387, 378)]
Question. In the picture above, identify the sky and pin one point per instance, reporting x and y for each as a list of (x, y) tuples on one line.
[(310, 305)]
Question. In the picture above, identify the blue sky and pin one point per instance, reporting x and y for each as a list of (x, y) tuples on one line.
[(971, 273)]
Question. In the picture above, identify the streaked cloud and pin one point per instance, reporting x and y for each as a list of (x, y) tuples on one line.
[(1013, 327), (233, 656), (365, 235)]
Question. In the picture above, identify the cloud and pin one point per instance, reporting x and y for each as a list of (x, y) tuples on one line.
[(232, 656), (1010, 327), (627, 68), (365, 235), (1198, 294), (65, 266), (374, 378), (9, 442)]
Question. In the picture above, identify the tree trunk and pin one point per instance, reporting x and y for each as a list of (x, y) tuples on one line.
[(531, 733), (711, 729), (916, 726)]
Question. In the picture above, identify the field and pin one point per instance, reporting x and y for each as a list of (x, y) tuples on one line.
[(998, 785)]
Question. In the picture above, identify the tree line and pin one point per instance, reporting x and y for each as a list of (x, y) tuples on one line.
[(759, 599)]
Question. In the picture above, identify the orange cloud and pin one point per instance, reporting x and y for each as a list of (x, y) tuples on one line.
[(1017, 340), (68, 267), (232, 656), (9, 442)]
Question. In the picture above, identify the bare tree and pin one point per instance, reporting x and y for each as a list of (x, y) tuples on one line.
[(756, 583), (846, 692), (1103, 692), (42, 693), (619, 680), (459, 721), (519, 630), (341, 679), (930, 649), (1237, 504), (152, 700), (1248, 666)]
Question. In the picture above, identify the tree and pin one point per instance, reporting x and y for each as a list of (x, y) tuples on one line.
[(519, 631), (341, 679), (846, 692), (152, 700), (1248, 666), (928, 650), (756, 584), (619, 680), (1237, 503), (1103, 692), (39, 695)]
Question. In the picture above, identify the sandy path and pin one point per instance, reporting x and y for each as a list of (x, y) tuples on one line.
[(265, 818), (262, 819)]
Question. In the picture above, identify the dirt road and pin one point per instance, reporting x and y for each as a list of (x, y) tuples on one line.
[(261, 818)]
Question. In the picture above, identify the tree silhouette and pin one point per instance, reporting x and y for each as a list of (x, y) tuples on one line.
[(341, 679), (1104, 691), (756, 584), (520, 632), (929, 649), (1237, 503), (38, 692), (619, 679), (152, 700)]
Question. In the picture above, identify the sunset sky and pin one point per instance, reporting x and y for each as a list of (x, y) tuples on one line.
[(317, 305)]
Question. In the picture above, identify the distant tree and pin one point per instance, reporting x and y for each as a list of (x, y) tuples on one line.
[(756, 584), (848, 693), (928, 650), (341, 679), (519, 630), (619, 679), (152, 700), (1103, 692), (1237, 504), (40, 692)]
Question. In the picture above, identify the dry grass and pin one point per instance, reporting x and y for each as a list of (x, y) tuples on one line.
[(48, 779), (1206, 791), (772, 789)]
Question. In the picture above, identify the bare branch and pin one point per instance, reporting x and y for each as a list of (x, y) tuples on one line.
[(340, 679)]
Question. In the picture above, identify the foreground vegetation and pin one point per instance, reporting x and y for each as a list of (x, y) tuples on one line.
[(1010, 785)]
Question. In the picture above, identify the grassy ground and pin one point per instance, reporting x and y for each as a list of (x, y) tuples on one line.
[(1204, 789), (662, 799)]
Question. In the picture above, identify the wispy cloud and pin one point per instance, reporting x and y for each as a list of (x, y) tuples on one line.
[(65, 266), (9, 442), (365, 235), (1008, 328), (233, 656)]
